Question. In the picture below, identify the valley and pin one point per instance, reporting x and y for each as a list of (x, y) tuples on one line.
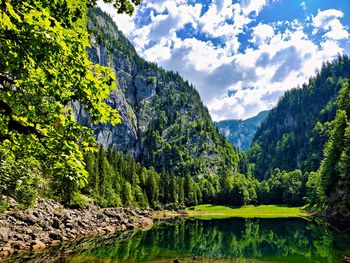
[(97, 144)]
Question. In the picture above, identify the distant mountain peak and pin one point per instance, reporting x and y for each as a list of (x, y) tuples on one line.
[(241, 132)]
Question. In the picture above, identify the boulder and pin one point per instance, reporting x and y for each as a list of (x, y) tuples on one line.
[(6, 251), (37, 245), (55, 236), (4, 234)]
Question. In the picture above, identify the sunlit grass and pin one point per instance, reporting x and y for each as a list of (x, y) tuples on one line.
[(262, 211)]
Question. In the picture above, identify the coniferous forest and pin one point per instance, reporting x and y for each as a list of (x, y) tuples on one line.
[(85, 120)]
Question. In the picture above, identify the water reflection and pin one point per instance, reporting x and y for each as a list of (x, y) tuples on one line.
[(276, 240)]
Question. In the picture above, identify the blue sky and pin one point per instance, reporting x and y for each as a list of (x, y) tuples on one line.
[(241, 55)]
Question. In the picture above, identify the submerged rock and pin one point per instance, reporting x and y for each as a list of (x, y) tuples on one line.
[(49, 223)]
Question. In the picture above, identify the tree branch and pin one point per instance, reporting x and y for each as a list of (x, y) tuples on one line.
[(14, 125)]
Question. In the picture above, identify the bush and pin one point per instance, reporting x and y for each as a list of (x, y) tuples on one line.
[(3, 206), (78, 200), (20, 180), (157, 207), (100, 201), (171, 206)]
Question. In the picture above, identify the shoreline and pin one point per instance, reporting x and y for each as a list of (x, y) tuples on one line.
[(49, 224)]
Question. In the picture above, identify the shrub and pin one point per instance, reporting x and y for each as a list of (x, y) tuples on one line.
[(78, 200), (3, 206), (20, 180)]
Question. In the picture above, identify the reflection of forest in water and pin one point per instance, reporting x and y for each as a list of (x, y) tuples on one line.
[(291, 240)]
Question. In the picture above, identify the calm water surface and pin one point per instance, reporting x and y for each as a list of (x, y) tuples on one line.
[(224, 240)]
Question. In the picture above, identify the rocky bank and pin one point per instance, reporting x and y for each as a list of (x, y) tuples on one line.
[(49, 224)]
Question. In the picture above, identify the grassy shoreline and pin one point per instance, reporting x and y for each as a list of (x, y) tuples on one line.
[(208, 211), (263, 211)]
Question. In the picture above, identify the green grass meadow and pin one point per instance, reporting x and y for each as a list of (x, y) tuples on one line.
[(262, 211)]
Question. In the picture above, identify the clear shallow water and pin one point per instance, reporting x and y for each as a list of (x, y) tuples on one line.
[(224, 240)]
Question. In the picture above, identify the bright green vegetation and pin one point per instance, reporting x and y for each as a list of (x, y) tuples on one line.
[(291, 240), (241, 132), (307, 137), (262, 211), (176, 156), (45, 67), (294, 134)]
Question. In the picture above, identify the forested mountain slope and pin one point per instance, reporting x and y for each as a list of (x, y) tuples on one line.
[(164, 123), (241, 132), (292, 136), (329, 187)]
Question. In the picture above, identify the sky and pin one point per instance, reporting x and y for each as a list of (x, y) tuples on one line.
[(241, 55)]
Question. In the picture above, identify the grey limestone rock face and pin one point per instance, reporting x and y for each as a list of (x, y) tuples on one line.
[(145, 88), (133, 97), (123, 136)]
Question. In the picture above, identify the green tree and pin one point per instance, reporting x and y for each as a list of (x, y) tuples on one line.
[(181, 191), (329, 171), (190, 191), (128, 198), (152, 189), (44, 70), (313, 188)]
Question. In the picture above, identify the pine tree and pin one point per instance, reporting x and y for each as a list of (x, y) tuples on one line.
[(128, 199), (181, 190), (152, 188)]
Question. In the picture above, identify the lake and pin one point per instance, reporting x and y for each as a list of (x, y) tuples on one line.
[(223, 240)]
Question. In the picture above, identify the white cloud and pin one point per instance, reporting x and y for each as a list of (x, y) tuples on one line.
[(209, 54), (303, 5), (262, 33), (249, 6), (328, 20), (123, 21)]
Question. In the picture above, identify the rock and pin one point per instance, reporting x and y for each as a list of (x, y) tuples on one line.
[(18, 236), (69, 226), (130, 226), (19, 245), (118, 217), (109, 213), (56, 223), (35, 229), (37, 245), (55, 236), (346, 258), (11, 202), (125, 221), (83, 224), (4, 234), (134, 213), (146, 223), (6, 251), (109, 229), (54, 242), (27, 238), (29, 218)]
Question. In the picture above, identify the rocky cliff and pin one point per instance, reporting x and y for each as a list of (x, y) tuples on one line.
[(164, 123), (241, 132)]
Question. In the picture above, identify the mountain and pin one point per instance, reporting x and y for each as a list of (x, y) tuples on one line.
[(164, 122), (293, 135), (240, 132)]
